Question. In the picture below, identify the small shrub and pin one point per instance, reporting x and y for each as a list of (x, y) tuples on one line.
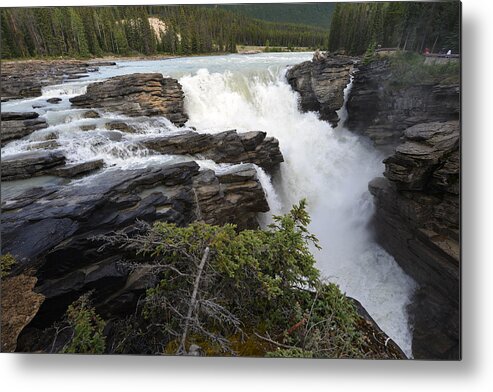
[(87, 328), (6, 263)]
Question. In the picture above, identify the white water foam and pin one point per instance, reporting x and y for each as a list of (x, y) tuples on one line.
[(330, 168)]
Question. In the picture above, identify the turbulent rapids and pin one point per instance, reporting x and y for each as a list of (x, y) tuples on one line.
[(329, 167)]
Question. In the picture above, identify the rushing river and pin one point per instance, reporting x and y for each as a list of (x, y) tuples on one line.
[(329, 167)]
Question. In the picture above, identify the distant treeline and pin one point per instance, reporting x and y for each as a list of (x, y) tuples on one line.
[(126, 30), (407, 25)]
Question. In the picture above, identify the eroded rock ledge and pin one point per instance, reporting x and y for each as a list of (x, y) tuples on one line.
[(224, 147), (16, 125), (417, 221), (50, 230), (321, 83), (137, 95)]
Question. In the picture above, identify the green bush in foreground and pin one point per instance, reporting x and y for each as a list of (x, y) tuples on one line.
[(87, 328), (254, 292), (6, 263)]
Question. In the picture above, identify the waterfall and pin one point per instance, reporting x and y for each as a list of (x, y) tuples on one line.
[(329, 167)]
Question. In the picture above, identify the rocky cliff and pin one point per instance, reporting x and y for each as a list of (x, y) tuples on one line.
[(415, 121), (321, 83), (381, 106), (417, 221)]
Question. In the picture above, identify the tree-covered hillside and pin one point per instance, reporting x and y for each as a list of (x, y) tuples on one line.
[(312, 14), (407, 25), (127, 30)]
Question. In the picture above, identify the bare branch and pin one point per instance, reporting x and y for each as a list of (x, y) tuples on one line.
[(181, 348)]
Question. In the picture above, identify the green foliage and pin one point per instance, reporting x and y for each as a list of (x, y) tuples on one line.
[(87, 328), (289, 353), (258, 287), (370, 54), (406, 25), (409, 68), (124, 30), (314, 14), (6, 263)]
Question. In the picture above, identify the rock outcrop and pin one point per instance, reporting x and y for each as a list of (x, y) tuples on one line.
[(224, 147), (417, 221), (22, 79), (321, 83), (136, 95), (51, 230), (16, 125), (31, 164), (382, 109)]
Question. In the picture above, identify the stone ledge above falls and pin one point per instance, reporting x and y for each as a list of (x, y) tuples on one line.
[(140, 94), (225, 147), (417, 221)]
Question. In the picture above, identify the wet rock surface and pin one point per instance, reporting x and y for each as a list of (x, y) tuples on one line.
[(50, 230), (382, 110), (137, 95), (22, 79), (30, 164), (224, 147), (321, 83), (417, 221), (77, 169), (16, 125)]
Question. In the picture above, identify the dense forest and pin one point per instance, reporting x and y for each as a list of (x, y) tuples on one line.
[(97, 31), (312, 14), (407, 25)]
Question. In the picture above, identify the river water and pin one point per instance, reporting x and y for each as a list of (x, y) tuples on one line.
[(329, 167)]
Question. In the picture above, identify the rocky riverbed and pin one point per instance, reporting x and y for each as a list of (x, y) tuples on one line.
[(21, 79)]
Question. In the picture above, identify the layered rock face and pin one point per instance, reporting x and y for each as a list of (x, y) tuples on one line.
[(21, 79), (16, 125), (51, 230), (224, 147), (417, 221), (382, 110), (321, 83), (30, 164), (137, 95)]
